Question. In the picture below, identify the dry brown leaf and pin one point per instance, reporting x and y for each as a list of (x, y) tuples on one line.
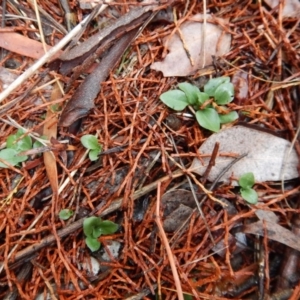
[(267, 155), (50, 131), (22, 45), (274, 232), (217, 43), (291, 8)]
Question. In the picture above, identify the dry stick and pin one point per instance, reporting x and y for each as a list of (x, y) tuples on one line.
[(44, 59), (167, 246), (24, 253)]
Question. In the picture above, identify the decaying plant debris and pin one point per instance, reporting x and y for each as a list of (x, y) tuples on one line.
[(219, 246)]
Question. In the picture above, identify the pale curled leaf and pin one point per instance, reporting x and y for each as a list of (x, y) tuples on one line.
[(177, 63), (291, 8), (274, 232), (267, 155)]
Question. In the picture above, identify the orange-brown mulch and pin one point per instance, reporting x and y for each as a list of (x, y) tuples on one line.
[(37, 257)]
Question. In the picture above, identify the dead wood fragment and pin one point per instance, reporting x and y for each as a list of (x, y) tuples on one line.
[(83, 99)]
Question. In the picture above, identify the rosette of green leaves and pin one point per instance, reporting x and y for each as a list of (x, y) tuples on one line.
[(93, 228), (220, 90), (246, 183), (91, 142), (15, 145)]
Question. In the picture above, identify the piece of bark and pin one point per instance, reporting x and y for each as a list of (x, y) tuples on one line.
[(78, 55), (83, 99)]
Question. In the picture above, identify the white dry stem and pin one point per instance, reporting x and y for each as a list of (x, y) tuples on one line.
[(44, 59)]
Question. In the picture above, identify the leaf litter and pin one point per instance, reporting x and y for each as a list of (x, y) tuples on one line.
[(217, 43), (124, 112), (268, 157)]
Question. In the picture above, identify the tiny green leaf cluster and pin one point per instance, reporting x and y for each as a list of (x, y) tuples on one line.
[(15, 145), (246, 183), (210, 112), (93, 228), (65, 214), (90, 142)]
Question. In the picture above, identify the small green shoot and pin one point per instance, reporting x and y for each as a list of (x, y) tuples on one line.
[(15, 145), (246, 183), (93, 228), (65, 214), (217, 92), (91, 143)]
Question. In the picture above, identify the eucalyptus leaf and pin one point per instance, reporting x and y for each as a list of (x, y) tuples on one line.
[(249, 195), (191, 92), (247, 180), (268, 157), (212, 85), (208, 118), (92, 243), (175, 99), (228, 118), (224, 93), (90, 142)]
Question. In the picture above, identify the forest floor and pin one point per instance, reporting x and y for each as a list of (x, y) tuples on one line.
[(181, 233)]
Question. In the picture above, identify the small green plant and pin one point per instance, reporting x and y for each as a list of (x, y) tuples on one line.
[(15, 145), (65, 214), (90, 142), (93, 228), (246, 183), (208, 105)]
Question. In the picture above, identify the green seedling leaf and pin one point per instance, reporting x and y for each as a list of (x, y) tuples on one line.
[(92, 243), (213, 84), (93, 154), (191, 92), (249, 195), (89, 225), (224, 93), (65, 214), (90, 142), (202, 97), (187, 296), (38, 144), (208, 118), (247, 180), (228, 118), (11, 156), (175, 99), (105, 227), (108, 227), (21, 145)]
